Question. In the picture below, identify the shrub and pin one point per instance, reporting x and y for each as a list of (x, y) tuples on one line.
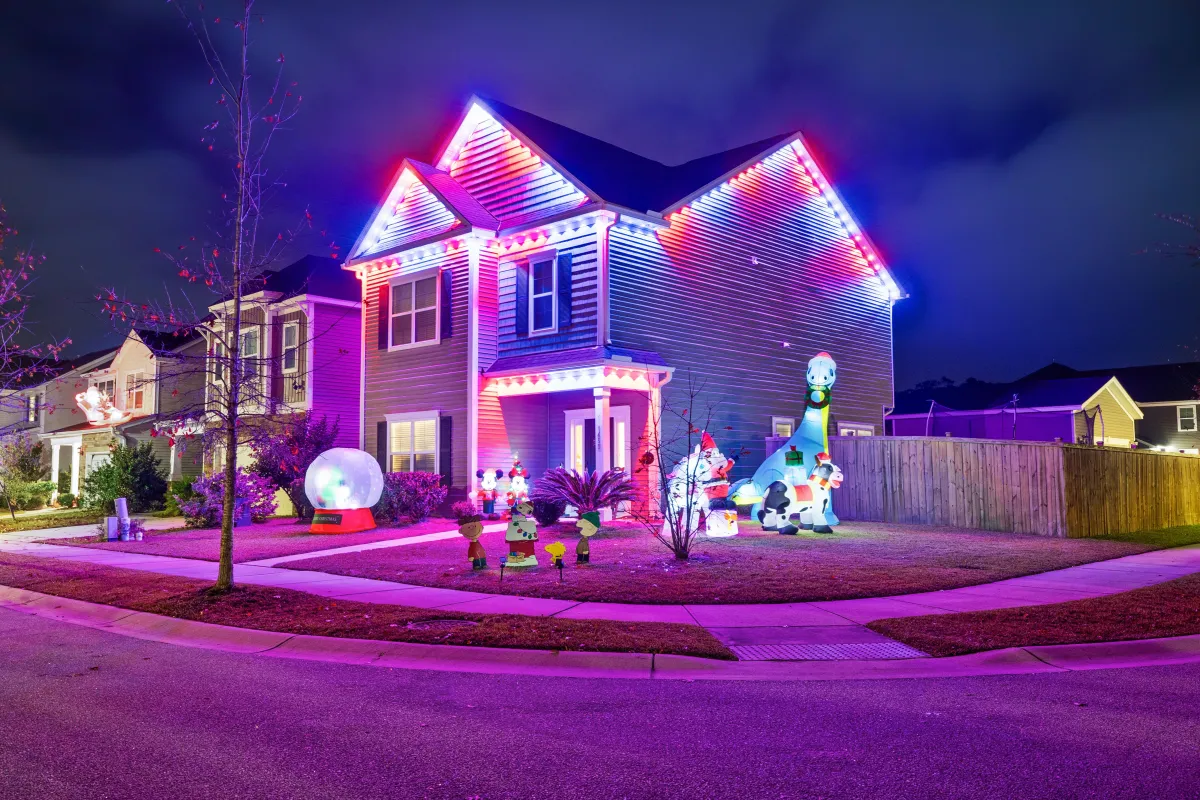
[(66, 499), (463, 509), (64, 482), (586, 491), (203, 509), (409, 496), (22, 473), (178, 492), (131, 472), (29, 494), (284, 448), (547, 512)]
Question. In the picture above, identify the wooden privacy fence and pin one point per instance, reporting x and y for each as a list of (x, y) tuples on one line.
[(1025, 487)]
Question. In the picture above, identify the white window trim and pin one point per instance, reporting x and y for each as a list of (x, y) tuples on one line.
[(98, 381), (789, 420), (140, 386), (1179, 420), (33, 408), (855, 426), (412, 278), (416, 416), (283, 348), (541, 258)]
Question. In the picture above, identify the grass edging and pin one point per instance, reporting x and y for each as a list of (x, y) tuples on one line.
[(1164, 610), (292, 612)]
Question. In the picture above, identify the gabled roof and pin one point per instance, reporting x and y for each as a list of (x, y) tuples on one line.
[(466, 207), (1154, 383), (1077, 392), (166, 341), (314, 275)]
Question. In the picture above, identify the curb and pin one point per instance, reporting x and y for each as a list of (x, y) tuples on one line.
[(574, 664)]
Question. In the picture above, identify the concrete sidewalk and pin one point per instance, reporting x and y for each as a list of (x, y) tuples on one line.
[(821, 630)]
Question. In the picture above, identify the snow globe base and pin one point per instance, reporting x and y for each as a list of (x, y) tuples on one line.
[(350, 520)]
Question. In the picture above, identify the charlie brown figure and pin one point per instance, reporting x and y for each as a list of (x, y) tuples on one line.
[(588, 523), (472, 528)]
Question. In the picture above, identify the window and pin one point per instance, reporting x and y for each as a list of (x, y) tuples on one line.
[(219, 362), (855, 429), (248, 357), (135, 392), (108, 386), (783, 427), (543, 296), (31, 404), (1186, 416), (415, 312), (291, 347), (412, 444)]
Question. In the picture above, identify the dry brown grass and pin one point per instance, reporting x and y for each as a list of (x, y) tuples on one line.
[(268, 609)]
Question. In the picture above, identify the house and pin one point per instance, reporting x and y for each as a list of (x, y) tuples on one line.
[(532, 286), (1087, 409), (1167, 396), (143, 386), (301, 334)]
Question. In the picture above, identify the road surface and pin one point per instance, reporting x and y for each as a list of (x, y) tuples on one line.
[(88, 714)]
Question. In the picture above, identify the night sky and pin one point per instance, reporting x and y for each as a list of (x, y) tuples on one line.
[(1007, 157)]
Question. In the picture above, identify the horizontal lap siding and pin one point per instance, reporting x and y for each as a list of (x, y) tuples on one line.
[(494, 449), (418, 215), (289, 388), (1160, 426), (336, 364), (694, 294), (432, 378), (509, 180), (582, 330), (1112, 420)]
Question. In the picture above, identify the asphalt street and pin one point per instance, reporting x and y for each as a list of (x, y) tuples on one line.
[(89, 714)]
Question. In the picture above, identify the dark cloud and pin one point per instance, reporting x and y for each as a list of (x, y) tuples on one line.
[(1007, 156)]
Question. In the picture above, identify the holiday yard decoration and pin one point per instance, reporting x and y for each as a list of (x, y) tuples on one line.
[(697, 489), (342, 484), (518, 484), (520, 536), (98, 407), (817, 515), (472, 528), (587, 524), (488, 491)]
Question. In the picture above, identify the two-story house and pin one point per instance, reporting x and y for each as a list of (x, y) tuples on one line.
[(147, 383), (534, 286), (301, 338)]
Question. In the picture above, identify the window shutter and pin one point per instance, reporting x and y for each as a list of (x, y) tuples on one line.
[(384, 314), (381, 433), (522, 295), (564, 290), (447, 303), (445, 429)]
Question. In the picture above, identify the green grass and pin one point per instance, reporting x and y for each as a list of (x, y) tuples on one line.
[(270, 609), (50, 519), (1165, 609), (1165, 537)]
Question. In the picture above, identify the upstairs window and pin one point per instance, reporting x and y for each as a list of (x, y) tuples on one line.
[(855, 429), (135, 392), (248, 355), (414, 317), (412, 445), (219, 371), (1186, 416), (108, 386), (543, 296), (290, 358), (31, 408)]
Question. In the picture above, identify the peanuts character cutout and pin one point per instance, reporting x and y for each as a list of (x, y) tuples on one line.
[(588, 523), (472, 528)]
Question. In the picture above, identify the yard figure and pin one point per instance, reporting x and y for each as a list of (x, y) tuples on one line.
[(588, 523), (556, 551), (520, 536), (487, 493), (518, 484), (472, 528), (816, 512)]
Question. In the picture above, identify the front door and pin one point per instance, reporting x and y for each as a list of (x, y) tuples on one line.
[(581, 438)]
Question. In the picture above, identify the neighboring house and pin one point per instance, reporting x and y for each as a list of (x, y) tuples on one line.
[(143, 379), (1094, 409), (302, 334), (535, 285), (1167, 396)]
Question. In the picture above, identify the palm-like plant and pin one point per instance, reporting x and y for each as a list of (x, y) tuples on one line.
[(586, 491)]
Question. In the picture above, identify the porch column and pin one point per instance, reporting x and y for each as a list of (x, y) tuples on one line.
[(54, 470), (75, 468), (603, 396)]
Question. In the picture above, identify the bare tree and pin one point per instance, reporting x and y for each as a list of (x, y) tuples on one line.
[(232, 260)]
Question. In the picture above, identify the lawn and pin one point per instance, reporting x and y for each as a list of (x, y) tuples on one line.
[(49, 519), (281, 537), (268, 609), (859, 560), (1165, 609)]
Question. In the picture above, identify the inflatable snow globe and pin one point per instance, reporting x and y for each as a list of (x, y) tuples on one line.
[(342, 484)]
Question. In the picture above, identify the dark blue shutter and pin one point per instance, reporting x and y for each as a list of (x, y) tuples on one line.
[(521, 309), (564, 290), (447, 302), (381, 442), (445, 429), (383, 314)]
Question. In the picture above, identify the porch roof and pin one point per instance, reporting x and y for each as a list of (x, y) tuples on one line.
[(580, 368), (578, 357)]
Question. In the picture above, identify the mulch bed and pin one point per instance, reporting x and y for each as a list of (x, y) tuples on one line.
[(268, 609), (1166, 609), (281, 537), (628, 565)]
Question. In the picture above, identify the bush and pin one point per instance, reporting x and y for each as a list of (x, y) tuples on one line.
[(463, 509), (203, 509), (22, 473), (178, 492), (586, 491), (131, 472), (547, 512), (409, 496), (284, 448), (64, 482), (66, 499), (25, 495)]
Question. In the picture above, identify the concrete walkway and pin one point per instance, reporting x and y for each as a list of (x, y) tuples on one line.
[(359, 548), (821, 630)]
